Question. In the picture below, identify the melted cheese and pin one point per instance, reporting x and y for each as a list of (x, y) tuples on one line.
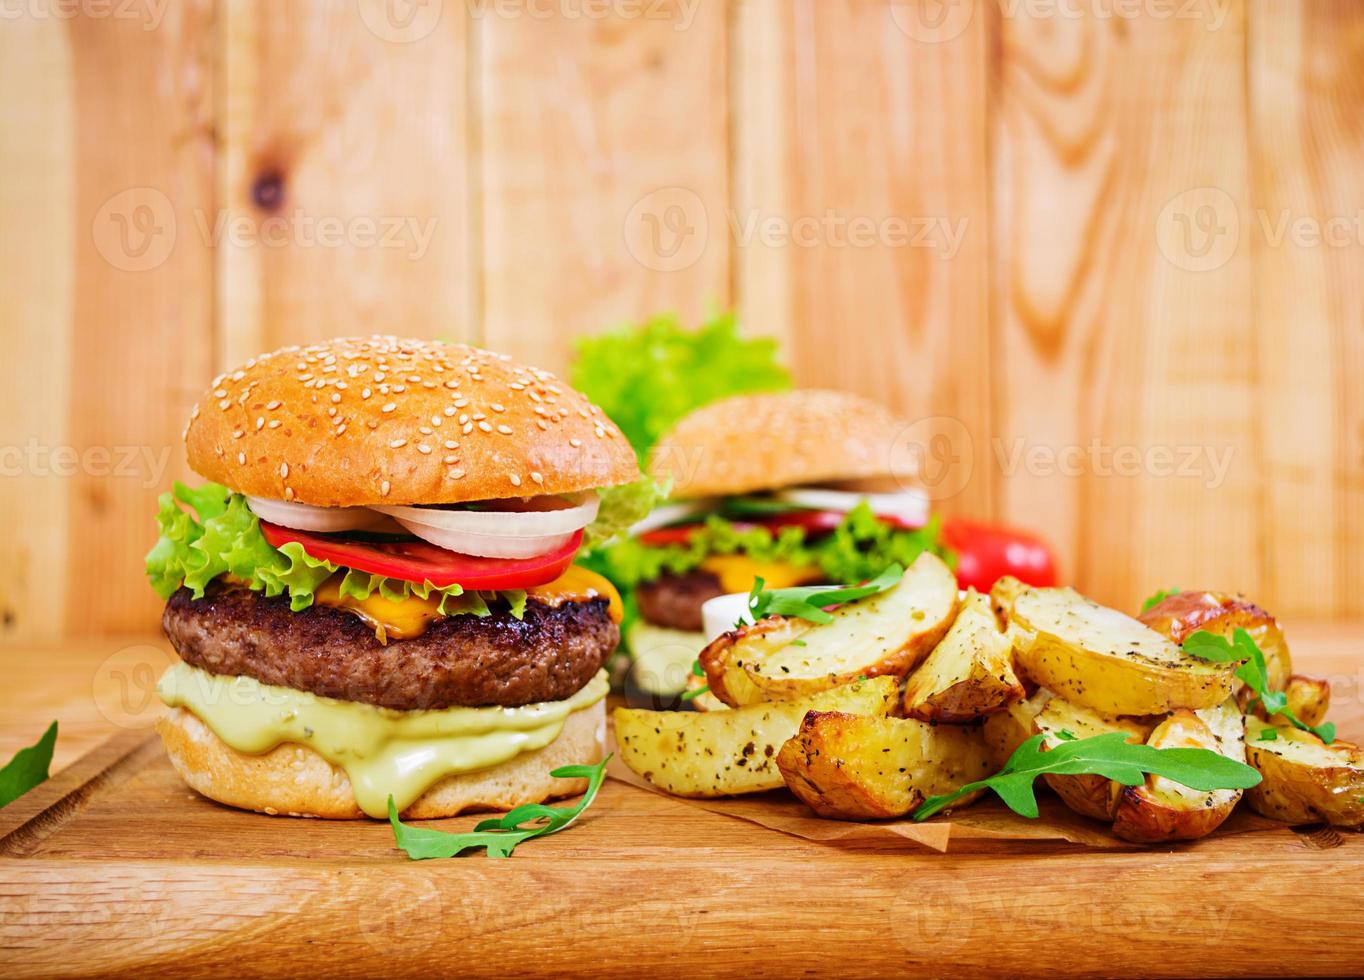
[(737, 572), (383, 752), (410, 617), (391, 620), (577, 585)]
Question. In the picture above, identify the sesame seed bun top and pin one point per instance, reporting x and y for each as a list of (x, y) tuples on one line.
[(386, 420), (768, 441)]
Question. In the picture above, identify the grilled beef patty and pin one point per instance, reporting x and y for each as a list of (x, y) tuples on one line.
[(548, 655), (674, 601)]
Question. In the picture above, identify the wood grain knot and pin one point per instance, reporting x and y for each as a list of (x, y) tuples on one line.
[(267, 190), (1319, 836)]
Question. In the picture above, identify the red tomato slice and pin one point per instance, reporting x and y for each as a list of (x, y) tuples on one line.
[(812, 521), (987, 551), (418, 561)]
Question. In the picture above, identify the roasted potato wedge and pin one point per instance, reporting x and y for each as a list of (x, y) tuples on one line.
[(1102, 659), (1164, 810), (1178, 615), (1309, 698), (1088, 795), (1002, 595), (706, 701), (856, 767), (725, 753), (970, 674), (1305, 780), (1006, 731), (885, 634)]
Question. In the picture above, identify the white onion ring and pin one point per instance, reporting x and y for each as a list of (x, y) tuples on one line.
[(498, 533), (910, 507), (669, 514), (305, 517)]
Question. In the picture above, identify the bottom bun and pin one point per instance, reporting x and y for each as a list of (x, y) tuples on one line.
[(294, 780)]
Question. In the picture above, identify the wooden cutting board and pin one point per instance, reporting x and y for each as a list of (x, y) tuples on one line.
[(114, 867)]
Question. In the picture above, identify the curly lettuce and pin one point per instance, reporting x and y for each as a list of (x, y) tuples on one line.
[(621, 508), (858, 549), (646, 377), (222, 537)]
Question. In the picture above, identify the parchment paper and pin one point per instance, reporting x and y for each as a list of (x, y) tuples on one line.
[(988, 819)]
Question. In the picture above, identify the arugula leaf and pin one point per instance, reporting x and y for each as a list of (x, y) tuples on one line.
[(695, 692), (1242, 647), (28, 768), (499, 836), (648, 376), (1109, 755), (1267, 734), (1159, 597), (808, 602)]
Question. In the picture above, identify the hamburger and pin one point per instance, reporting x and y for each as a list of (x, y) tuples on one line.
[(375, 596), (790, 487)]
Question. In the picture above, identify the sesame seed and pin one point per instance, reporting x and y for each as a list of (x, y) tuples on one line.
[(452, 384), (260, 423), (544, 426), (575, 443), (485, 427), (220, 393), (600, 432), (451, 444), (238, 434), (468, 427), (397, 443), (414, 379), (497, 408), (224, 403), (452, 458), (241, 459), (456, 474), (516, 480), (194, 412), (384, 488), (478, 416), (463, 418), (449, 411), (461, 402), (435, 420), (288, 493), (424, 449), (537, 477), (365, 393), (284, 471), (426, 430), (272, 405), (379, 376), (341, 428), (399, 389), (275, 423), (504, 429), (335, 398), (331, 412), (389, 407)]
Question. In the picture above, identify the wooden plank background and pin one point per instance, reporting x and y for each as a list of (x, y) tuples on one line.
[(1105, 257)]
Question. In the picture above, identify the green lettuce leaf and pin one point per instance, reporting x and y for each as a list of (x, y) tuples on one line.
[(621, 508), (859, 549), (646, 377), (223, 537)]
